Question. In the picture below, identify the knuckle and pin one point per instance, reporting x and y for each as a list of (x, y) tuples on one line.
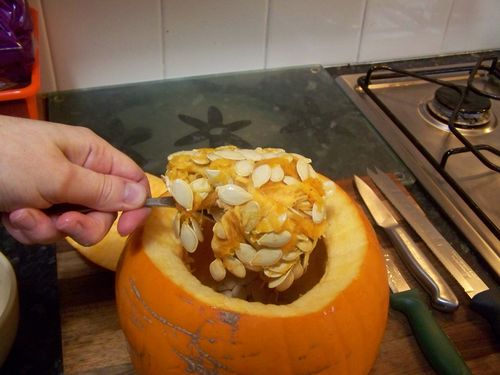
[(105, 193)]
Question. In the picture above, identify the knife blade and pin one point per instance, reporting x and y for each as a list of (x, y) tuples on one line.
[(442, 297), (484, 300), (436, 346)]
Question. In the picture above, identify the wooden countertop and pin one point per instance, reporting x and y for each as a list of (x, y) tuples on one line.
[(93, 342)]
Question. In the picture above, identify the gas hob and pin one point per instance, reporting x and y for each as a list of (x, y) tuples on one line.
[(443, 122)]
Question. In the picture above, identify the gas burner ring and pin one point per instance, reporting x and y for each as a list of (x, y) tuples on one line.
[(442, 123), (464, 120)]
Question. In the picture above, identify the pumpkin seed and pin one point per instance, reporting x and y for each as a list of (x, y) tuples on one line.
[(178, 153), (302, 169), (251, 154), (189, 240), (239, 291), (266, 257), (282, 218), (274, 240), (278, 281), (289, 180), (261, 175), (201, 185), (291, 255), (217, 270), (297, 270), (197, 229), (318, 213), (277, 173), (304, 243), (200, 159), (235, 266), (246, 253), (219, 231), (271, 274), (229, 154), (182, 193), (233, 195), (227, 284), (213, 156), (287, 282), (176, 223), (305, 261), (244, 168), (279, 269), (273, 153), (301, 157), (312, 172), (212, 175), (250, 216)]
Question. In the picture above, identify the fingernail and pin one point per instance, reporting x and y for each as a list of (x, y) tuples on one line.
[(22, 220), (135, 194), (73, 228)]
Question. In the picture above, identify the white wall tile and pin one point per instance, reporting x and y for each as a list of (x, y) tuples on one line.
[(213, 36), (474, 25), (96, 43), (313, 32), (396, 29)]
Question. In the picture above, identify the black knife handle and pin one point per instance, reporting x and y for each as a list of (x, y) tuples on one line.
[(487, 304)]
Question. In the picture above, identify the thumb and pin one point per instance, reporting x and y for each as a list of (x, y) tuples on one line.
[(104, 192)]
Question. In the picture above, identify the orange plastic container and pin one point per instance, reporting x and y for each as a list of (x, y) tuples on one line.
[(28, 93)]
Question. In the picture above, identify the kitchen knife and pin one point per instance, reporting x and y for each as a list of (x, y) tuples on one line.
[(435, 345), (484, 300), (442, 297)]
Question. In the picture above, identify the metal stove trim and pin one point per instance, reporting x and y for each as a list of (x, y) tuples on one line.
[(474, 230)]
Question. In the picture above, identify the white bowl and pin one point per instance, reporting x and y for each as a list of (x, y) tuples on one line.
[(9, 307)]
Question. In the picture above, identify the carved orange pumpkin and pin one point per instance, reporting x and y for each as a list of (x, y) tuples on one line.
[(331, 321)]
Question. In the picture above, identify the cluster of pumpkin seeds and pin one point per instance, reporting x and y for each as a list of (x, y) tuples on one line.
[(267, 206)]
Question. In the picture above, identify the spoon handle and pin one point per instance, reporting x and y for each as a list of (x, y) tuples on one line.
[(57, 209)]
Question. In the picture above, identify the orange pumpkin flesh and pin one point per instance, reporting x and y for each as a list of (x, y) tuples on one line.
[(174, 324), (106, 252)]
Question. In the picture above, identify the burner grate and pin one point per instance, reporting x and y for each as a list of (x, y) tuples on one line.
[(486, 87)]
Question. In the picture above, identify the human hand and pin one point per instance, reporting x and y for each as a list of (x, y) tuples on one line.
[(42, 164)]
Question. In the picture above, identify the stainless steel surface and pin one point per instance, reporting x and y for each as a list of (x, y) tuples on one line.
[(397, 283), (405, 98), (58, 209), (442, 296), (160, 202), (460, 270)]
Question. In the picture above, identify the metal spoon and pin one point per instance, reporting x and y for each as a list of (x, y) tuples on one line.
[(57, 209)]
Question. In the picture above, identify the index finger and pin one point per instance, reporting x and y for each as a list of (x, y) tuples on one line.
[(90, 151)]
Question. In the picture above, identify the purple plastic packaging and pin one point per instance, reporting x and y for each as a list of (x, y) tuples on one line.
[(16, 44)]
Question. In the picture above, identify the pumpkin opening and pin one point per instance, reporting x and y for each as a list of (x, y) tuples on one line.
[(252, 287)]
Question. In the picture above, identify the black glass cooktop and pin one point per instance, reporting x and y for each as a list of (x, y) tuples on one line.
[(299, 109)]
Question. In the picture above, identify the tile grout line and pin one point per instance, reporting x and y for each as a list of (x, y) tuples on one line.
[(445, 31), (361, 31), (162, 39), (266, 33)]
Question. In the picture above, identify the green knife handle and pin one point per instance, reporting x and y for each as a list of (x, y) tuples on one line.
[(436, 346), (487, 304)]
